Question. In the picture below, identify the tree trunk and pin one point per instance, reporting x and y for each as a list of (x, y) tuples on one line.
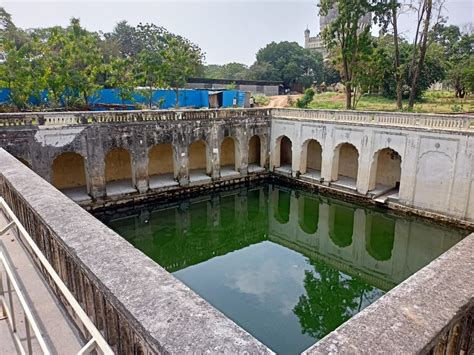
[(348, 96), (347, 84), (423, 48), (398, 76)]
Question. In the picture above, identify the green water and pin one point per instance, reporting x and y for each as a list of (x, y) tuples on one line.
[(287, 266)]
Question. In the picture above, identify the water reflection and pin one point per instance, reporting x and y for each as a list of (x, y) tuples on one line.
[(331, 298), (341, 225), (287, 266)]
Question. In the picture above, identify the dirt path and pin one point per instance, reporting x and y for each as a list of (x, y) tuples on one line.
[(280, 101)]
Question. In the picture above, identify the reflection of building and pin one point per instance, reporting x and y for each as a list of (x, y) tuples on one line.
[(380, 249), (316, 43)]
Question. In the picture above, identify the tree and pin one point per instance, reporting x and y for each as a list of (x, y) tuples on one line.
[(347, 39), (23, 73), (233, 71), (287, 62), (331, 298), (121, 76), (150, 73), (458, 51), (425, 18), (74, 62), (263, 71), (181, 60)]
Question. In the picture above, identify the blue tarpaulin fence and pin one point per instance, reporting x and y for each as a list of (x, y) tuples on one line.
[(162, 98)]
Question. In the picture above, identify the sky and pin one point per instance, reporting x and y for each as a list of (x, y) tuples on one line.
[(227, 31)]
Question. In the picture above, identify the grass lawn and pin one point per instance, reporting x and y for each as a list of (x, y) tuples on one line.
[(433, 102)]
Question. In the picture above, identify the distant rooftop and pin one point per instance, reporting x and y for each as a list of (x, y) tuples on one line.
[(231, 81)]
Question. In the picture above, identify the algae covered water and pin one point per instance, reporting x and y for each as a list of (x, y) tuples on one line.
[(286, 265)]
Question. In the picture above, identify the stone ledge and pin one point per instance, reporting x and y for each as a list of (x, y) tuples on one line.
[(139, 306), (417, 315)]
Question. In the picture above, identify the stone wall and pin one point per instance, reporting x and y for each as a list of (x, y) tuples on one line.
[(138, 306), (437, 154), (131, 137)]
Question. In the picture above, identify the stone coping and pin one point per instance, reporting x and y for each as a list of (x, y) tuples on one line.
[(415, 316), (404, 119), (125, 116), (169, 316)]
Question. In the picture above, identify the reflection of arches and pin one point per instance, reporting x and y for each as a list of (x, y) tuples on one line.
[(229, 154), (283, 152), (227, 211), (255, 148), (118, 165), (198, 156), (160, 160), (341, 225), (311, 156), (308, 214), (281, 205), (199, 214), (385, 169), (253, 204), (69, 171), (345, 162), (380, 236)]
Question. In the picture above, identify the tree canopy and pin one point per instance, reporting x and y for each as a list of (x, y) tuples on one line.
[(65, 66)]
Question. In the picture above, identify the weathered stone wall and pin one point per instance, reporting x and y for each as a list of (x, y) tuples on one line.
[(95, 135), (437, 154), (138, 306)]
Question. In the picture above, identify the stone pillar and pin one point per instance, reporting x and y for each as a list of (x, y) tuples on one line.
[(214, 152), (327, 160), (140, 166), (365, 160), (265, 151), (409, 168), (181, 156), (242, 159), (95, 163)]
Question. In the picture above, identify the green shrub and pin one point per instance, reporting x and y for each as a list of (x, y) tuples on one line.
[(261, 100), (306, 99)]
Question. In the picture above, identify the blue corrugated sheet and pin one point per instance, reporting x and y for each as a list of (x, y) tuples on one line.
[(162, 98)]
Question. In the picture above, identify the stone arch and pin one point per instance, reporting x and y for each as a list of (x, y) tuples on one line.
[(199, 162), (118, 171), (308, 214), (160, 159), (311, 157), (386, 169), (68, 171), (255, 151), (229, 156), (380, 236), (345, 163), (162, 169), (283, 152), (341, 225), (281, 205)]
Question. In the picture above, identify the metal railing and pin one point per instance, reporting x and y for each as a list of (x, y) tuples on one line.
[(96, 342)]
